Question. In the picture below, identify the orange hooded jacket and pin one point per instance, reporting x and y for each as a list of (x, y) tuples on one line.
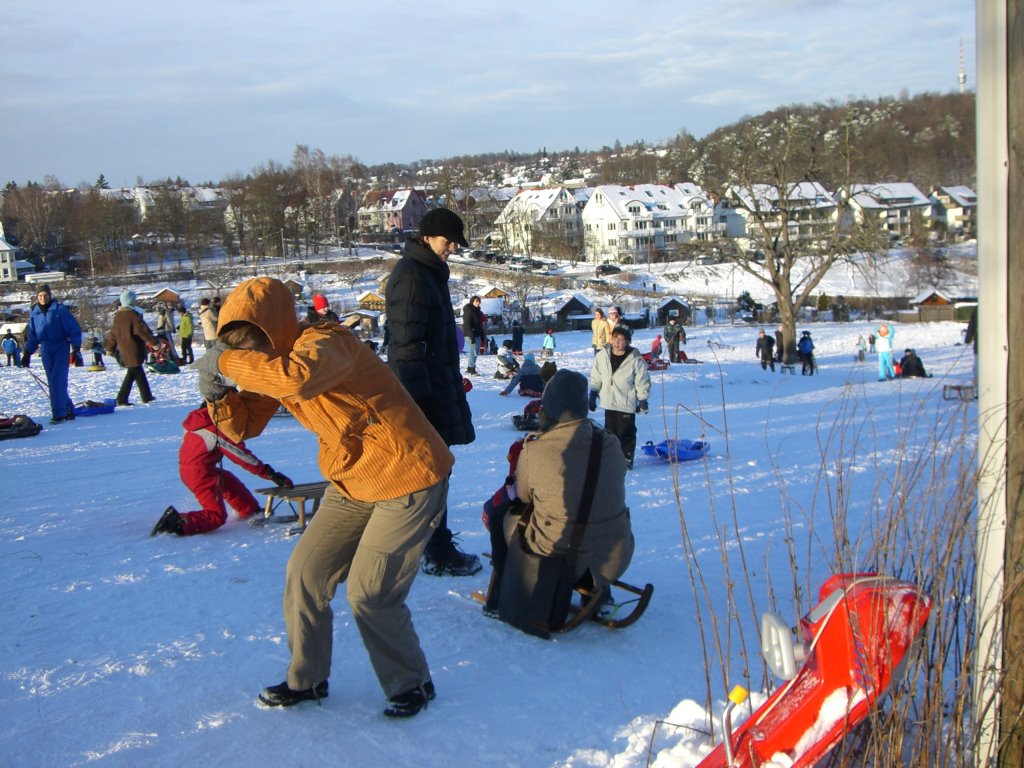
[(375, 443)]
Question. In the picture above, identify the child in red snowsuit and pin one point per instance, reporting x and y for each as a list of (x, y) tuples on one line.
[(199, 460)]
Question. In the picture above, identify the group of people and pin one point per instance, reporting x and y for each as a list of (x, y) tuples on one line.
[(385, 432)]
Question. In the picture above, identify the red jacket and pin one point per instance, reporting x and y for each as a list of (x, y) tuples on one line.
[(204, 444)]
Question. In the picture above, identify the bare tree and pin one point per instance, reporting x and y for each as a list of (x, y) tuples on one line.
[(796, 230)]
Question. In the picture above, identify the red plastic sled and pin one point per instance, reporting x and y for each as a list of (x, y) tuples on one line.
[(855, 640)]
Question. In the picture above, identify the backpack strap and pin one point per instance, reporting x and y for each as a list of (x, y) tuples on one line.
[(589, 489)]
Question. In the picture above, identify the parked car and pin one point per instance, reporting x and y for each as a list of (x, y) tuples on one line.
[(607, 269)]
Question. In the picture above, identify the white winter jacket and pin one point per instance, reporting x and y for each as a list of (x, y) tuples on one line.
[(622, 390)]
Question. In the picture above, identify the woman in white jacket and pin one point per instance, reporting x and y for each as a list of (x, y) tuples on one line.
[(620, 379)]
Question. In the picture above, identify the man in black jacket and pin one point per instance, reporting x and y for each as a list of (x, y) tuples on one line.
[(472, 330), (423, 353)]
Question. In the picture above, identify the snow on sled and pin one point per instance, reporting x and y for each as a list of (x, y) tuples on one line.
[(94, 408), (677, 450), (18, 426), (854, 642)]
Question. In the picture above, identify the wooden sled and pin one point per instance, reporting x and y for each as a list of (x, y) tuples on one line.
[(296, 499), (585, 609), (959, 392)]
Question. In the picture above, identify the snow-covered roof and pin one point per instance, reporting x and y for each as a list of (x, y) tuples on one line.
[(929, 293), (897, 194), (961, 195), (368, 294), (765, 197)]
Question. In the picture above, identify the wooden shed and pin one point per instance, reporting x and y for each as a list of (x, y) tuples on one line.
[(370, 300), (933, 305), (168, 296), (674, 307)]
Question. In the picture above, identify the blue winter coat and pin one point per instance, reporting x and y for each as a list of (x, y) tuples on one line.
[(55, 327), (805, 346)]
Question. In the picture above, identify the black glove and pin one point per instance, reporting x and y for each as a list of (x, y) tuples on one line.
[(25, 359), (279, 479), (592, 404), (641, 407), (76, 355)]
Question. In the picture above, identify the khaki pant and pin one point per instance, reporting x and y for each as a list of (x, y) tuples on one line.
[(376, 547)]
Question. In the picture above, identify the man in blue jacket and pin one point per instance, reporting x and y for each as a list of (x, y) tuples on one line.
[(53, 328)]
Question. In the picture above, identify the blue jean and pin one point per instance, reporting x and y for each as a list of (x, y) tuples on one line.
[(472, 344)]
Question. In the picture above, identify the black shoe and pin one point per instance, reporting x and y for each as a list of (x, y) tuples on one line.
[(411, 702), (451, 562), (281, 695), (125, 404), (169, 522)]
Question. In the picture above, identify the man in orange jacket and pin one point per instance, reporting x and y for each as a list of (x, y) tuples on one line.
[(387, 469)]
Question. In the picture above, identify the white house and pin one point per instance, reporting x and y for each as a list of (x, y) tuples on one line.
[(392, 211), (956, 207), (894, 205), (537, 213), (8, 261), (630, 222), (806, 209)]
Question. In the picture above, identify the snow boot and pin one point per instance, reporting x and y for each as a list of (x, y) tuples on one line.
[(281, 695), (169, 522), (412, 701), (451, 562)]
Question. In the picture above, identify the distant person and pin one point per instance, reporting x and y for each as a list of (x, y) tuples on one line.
[(128, 340), (185, 329), (883, 343), (805, 348), (528, 378), (208, 312), (11, 349), (911, 366), (96, 347), (548, 344), (53, 328), (423, 352), (472, 331), (871, 343), (862, 347), (200, 462), (321, 310), (674, 336), (517, 337), (164, 325), (621, 379), (779, 348), (971, 337), (600, 332), (507, 363), (614, 319), (765, 350)]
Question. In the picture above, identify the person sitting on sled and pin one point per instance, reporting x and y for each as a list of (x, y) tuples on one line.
[(545, 471), (199, 462), (507, 365), (96, 347), (527, 378)]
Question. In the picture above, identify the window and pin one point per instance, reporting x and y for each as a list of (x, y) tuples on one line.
[(611, 226)]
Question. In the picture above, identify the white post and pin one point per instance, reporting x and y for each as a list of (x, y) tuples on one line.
[(993, 158)]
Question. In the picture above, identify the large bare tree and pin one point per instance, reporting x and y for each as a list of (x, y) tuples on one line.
[(790, 178)]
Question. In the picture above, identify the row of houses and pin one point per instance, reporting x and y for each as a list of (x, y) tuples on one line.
[(614, 223)]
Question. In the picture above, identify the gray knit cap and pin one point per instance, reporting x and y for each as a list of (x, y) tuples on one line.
[(565, 396)]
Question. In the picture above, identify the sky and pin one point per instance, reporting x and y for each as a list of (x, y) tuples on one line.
[(207, 90)]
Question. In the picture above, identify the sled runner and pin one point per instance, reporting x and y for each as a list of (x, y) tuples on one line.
[(589, 604), (295, 498), (94, 408), (18, 426), (676, 450), (851, 648)]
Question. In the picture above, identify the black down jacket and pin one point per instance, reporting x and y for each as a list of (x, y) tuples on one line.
[(423, 348)]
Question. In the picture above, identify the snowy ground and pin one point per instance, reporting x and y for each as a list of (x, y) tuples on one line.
[(125, 650)]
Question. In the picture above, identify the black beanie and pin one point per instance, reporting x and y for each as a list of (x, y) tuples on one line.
[(565, 396)]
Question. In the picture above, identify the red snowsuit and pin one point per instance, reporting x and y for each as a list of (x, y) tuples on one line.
[(199, 463)]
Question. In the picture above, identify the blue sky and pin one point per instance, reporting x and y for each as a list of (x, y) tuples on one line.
[(205, 90)]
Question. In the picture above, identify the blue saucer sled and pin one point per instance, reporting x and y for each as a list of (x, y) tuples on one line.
[(94, 408), (676, 450)]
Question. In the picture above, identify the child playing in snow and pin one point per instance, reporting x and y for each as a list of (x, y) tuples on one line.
[(548, 345), (199, 461)]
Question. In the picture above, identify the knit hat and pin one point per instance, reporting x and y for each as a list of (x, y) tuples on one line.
[(320, 302), (442, 222), (547, 371), (204, 302), (565, 396), (127, 297), (529, 358)]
